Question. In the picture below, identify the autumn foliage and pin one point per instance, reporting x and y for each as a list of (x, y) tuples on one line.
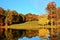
[(13, 17)]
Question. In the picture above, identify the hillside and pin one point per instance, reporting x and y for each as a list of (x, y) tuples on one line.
[(26, 25)]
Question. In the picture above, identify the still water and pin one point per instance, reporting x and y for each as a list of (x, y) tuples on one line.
[(33, 38)]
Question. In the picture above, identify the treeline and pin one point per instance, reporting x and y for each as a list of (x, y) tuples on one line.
[(13, 17)]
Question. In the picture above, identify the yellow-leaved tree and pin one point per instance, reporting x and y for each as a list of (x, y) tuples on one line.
[(43, 19)]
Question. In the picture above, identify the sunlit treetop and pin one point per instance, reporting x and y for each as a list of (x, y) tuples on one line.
[(51, 5)]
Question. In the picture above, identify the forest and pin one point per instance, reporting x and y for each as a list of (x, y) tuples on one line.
[(11, 17)]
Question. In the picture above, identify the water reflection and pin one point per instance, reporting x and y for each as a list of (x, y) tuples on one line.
[(13, 34), (33, 38)]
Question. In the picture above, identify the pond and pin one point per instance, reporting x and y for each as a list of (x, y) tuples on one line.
[(23, 35), (33, 38)]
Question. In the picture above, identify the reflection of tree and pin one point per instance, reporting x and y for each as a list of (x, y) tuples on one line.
[(18, 33), (31, 33)]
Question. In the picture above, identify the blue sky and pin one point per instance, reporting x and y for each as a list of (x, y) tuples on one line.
[(27, 6)]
